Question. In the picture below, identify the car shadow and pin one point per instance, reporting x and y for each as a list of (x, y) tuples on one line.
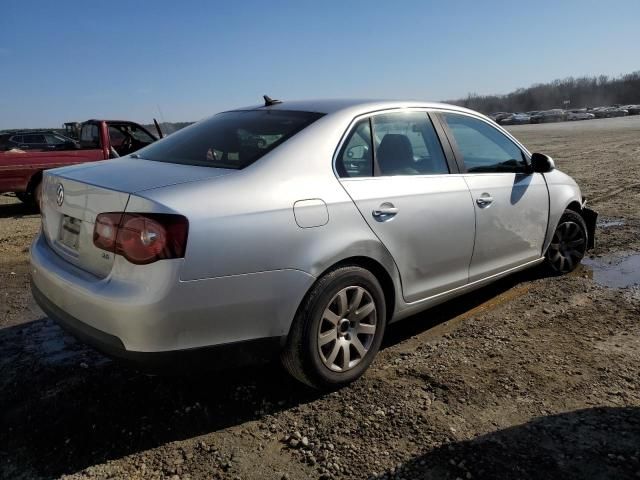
[(65, 407), (16, 209), (597, 443), (458, 307)]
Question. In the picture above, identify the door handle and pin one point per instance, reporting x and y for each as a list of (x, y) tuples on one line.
[(385, 212), (484, 200)]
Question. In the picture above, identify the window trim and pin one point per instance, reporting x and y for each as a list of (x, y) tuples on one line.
[(459, 158), (341, 150), (428, 111)]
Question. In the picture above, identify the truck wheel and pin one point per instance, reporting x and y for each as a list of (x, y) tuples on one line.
[(568, 245), (37, 195), (24, 197), (337, 330)]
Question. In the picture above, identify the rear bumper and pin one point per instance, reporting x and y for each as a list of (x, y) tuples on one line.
[(134, 312), (237, 354)]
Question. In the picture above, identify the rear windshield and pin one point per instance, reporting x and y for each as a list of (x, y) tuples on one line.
[(230, 139)]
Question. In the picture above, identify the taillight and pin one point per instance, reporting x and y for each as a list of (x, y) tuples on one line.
[(142, 237)]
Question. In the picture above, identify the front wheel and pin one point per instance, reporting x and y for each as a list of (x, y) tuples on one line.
[(568, 245), (337, 330)]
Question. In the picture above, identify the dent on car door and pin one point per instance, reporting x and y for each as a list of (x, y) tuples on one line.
[(511, 203), (393, 167)]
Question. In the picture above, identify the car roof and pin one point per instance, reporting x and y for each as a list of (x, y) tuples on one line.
[(355, 106), (32, 132)]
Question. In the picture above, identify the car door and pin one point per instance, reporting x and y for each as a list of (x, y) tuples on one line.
[(511, 203), (394, 168)]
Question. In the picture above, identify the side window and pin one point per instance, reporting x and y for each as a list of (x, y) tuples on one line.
[(33, 139), (54, 140), (407, 144), (90, 136), (140, 135), (484, 149), (116, 137), (16, 139), (356, 155)]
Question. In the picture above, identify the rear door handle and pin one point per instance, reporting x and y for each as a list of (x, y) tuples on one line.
[(484, 200), (384, 212)]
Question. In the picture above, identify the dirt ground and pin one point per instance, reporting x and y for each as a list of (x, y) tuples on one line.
[(532, 377)]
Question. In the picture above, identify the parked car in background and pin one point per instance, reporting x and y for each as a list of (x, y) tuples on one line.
[(632, 109), (498, 116), (21, 164), (609, 112), (579, 115), (516, 119), (298, 229), (38, 140), (547, 116)]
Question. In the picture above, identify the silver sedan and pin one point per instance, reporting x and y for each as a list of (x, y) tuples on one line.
[(298, 229)]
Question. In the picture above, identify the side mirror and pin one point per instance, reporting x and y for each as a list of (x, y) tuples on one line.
[(541, 163)]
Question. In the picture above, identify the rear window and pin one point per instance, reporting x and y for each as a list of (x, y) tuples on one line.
[(230, 139)]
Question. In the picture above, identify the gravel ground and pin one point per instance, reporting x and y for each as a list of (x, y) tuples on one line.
[(531, 377)]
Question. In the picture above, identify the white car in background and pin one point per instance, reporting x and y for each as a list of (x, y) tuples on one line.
[(580, 116)]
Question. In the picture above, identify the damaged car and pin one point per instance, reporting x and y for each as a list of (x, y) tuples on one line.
[(297, 230)]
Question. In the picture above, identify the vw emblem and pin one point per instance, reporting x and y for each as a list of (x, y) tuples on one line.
[(60, 194)]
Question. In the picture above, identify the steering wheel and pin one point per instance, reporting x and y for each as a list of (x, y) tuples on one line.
[(127, 143)]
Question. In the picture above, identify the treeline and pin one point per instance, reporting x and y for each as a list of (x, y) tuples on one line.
[(580, 92)]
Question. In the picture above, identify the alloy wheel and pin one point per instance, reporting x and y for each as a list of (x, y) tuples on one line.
[(347, 329), (567, 246)]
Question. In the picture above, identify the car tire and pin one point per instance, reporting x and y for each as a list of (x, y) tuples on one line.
[(337, 330), (568, 244), (36, 195), (24, 197)]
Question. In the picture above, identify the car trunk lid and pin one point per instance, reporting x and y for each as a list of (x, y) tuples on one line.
[(69, 209), (72, 198)]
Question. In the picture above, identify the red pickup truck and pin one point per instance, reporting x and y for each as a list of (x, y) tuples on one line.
[(21, 170)]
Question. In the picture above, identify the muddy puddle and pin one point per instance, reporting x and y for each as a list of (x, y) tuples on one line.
[(615, 271), (610, 222)]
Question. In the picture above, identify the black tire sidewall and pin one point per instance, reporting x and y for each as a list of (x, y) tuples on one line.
[(316, 369)]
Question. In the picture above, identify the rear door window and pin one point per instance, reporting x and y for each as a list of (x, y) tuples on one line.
[(406, 143), (233, 139)]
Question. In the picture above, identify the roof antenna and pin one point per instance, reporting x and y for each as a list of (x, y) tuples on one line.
[(268, 101)]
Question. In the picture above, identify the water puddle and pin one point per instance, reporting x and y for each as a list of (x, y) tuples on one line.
[(610, 222), (616, 271)]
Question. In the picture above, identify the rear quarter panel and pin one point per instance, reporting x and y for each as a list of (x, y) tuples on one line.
[(244, 222)]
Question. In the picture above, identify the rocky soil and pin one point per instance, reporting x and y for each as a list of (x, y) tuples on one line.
[(532, 377)]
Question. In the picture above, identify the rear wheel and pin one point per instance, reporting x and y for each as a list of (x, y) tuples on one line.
[(337, 330), (36, 195), (24, 197), (568, 245)]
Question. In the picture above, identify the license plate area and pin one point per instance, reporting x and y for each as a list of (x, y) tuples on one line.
[(70, 232)]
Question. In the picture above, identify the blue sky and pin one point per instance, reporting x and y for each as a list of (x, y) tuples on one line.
[(68, 60)]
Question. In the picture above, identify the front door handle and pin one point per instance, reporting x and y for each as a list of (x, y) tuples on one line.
[(484, 200), (384, 212)]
